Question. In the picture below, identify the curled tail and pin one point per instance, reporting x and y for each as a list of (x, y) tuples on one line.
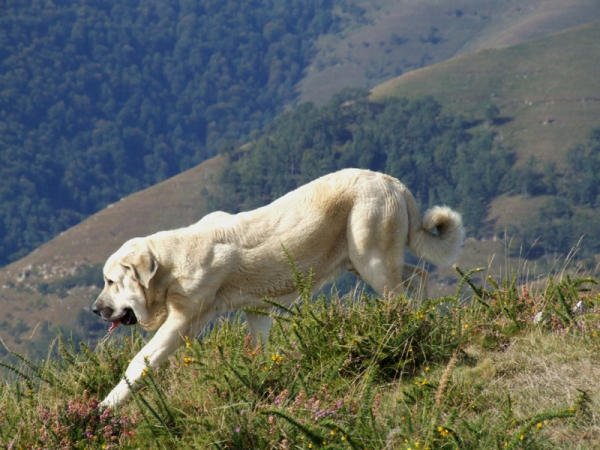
[(443, 248)]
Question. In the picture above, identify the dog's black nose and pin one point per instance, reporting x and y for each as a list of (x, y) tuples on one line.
[(96, 309)]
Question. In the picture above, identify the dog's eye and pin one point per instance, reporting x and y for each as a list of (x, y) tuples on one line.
[(110, 282)]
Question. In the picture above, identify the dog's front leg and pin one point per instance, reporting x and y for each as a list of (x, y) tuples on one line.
[(165, 342)]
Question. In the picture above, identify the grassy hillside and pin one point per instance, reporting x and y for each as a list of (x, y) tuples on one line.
[(403, 35), (546, 90), (349, 373)]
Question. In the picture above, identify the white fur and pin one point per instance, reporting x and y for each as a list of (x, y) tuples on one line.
[(356, 220)]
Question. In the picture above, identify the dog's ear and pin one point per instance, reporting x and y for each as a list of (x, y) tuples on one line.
[(143, 264)]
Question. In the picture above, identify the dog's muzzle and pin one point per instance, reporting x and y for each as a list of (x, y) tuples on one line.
[(127, 317)]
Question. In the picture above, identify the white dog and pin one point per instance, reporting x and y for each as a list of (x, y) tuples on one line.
[(356, 220)]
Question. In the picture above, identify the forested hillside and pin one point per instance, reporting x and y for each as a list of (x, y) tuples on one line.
[(99, 99), (434, 154)]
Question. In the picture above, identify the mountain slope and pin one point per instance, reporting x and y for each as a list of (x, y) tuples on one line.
[(547, 90), (403, 35), (100, 100), (176, 202)]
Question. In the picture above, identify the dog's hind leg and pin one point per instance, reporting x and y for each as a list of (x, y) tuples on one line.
[(412, 279), (377, 236), (258, 325), (378, 275)]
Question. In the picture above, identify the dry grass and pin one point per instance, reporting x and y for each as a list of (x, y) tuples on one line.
[(543, 371)]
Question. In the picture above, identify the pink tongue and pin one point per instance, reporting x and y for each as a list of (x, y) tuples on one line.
[(114, 325)]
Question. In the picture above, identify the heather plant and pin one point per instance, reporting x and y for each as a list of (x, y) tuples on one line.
[(72, 379), (353, 371)]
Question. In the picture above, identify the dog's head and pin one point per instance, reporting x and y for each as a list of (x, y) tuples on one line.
[(128, 274)]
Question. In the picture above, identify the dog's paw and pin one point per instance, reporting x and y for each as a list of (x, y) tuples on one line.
[(116, 397), (104, 405), (110, 402)]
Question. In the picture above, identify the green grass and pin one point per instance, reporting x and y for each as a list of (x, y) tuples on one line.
[(353, 372)]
